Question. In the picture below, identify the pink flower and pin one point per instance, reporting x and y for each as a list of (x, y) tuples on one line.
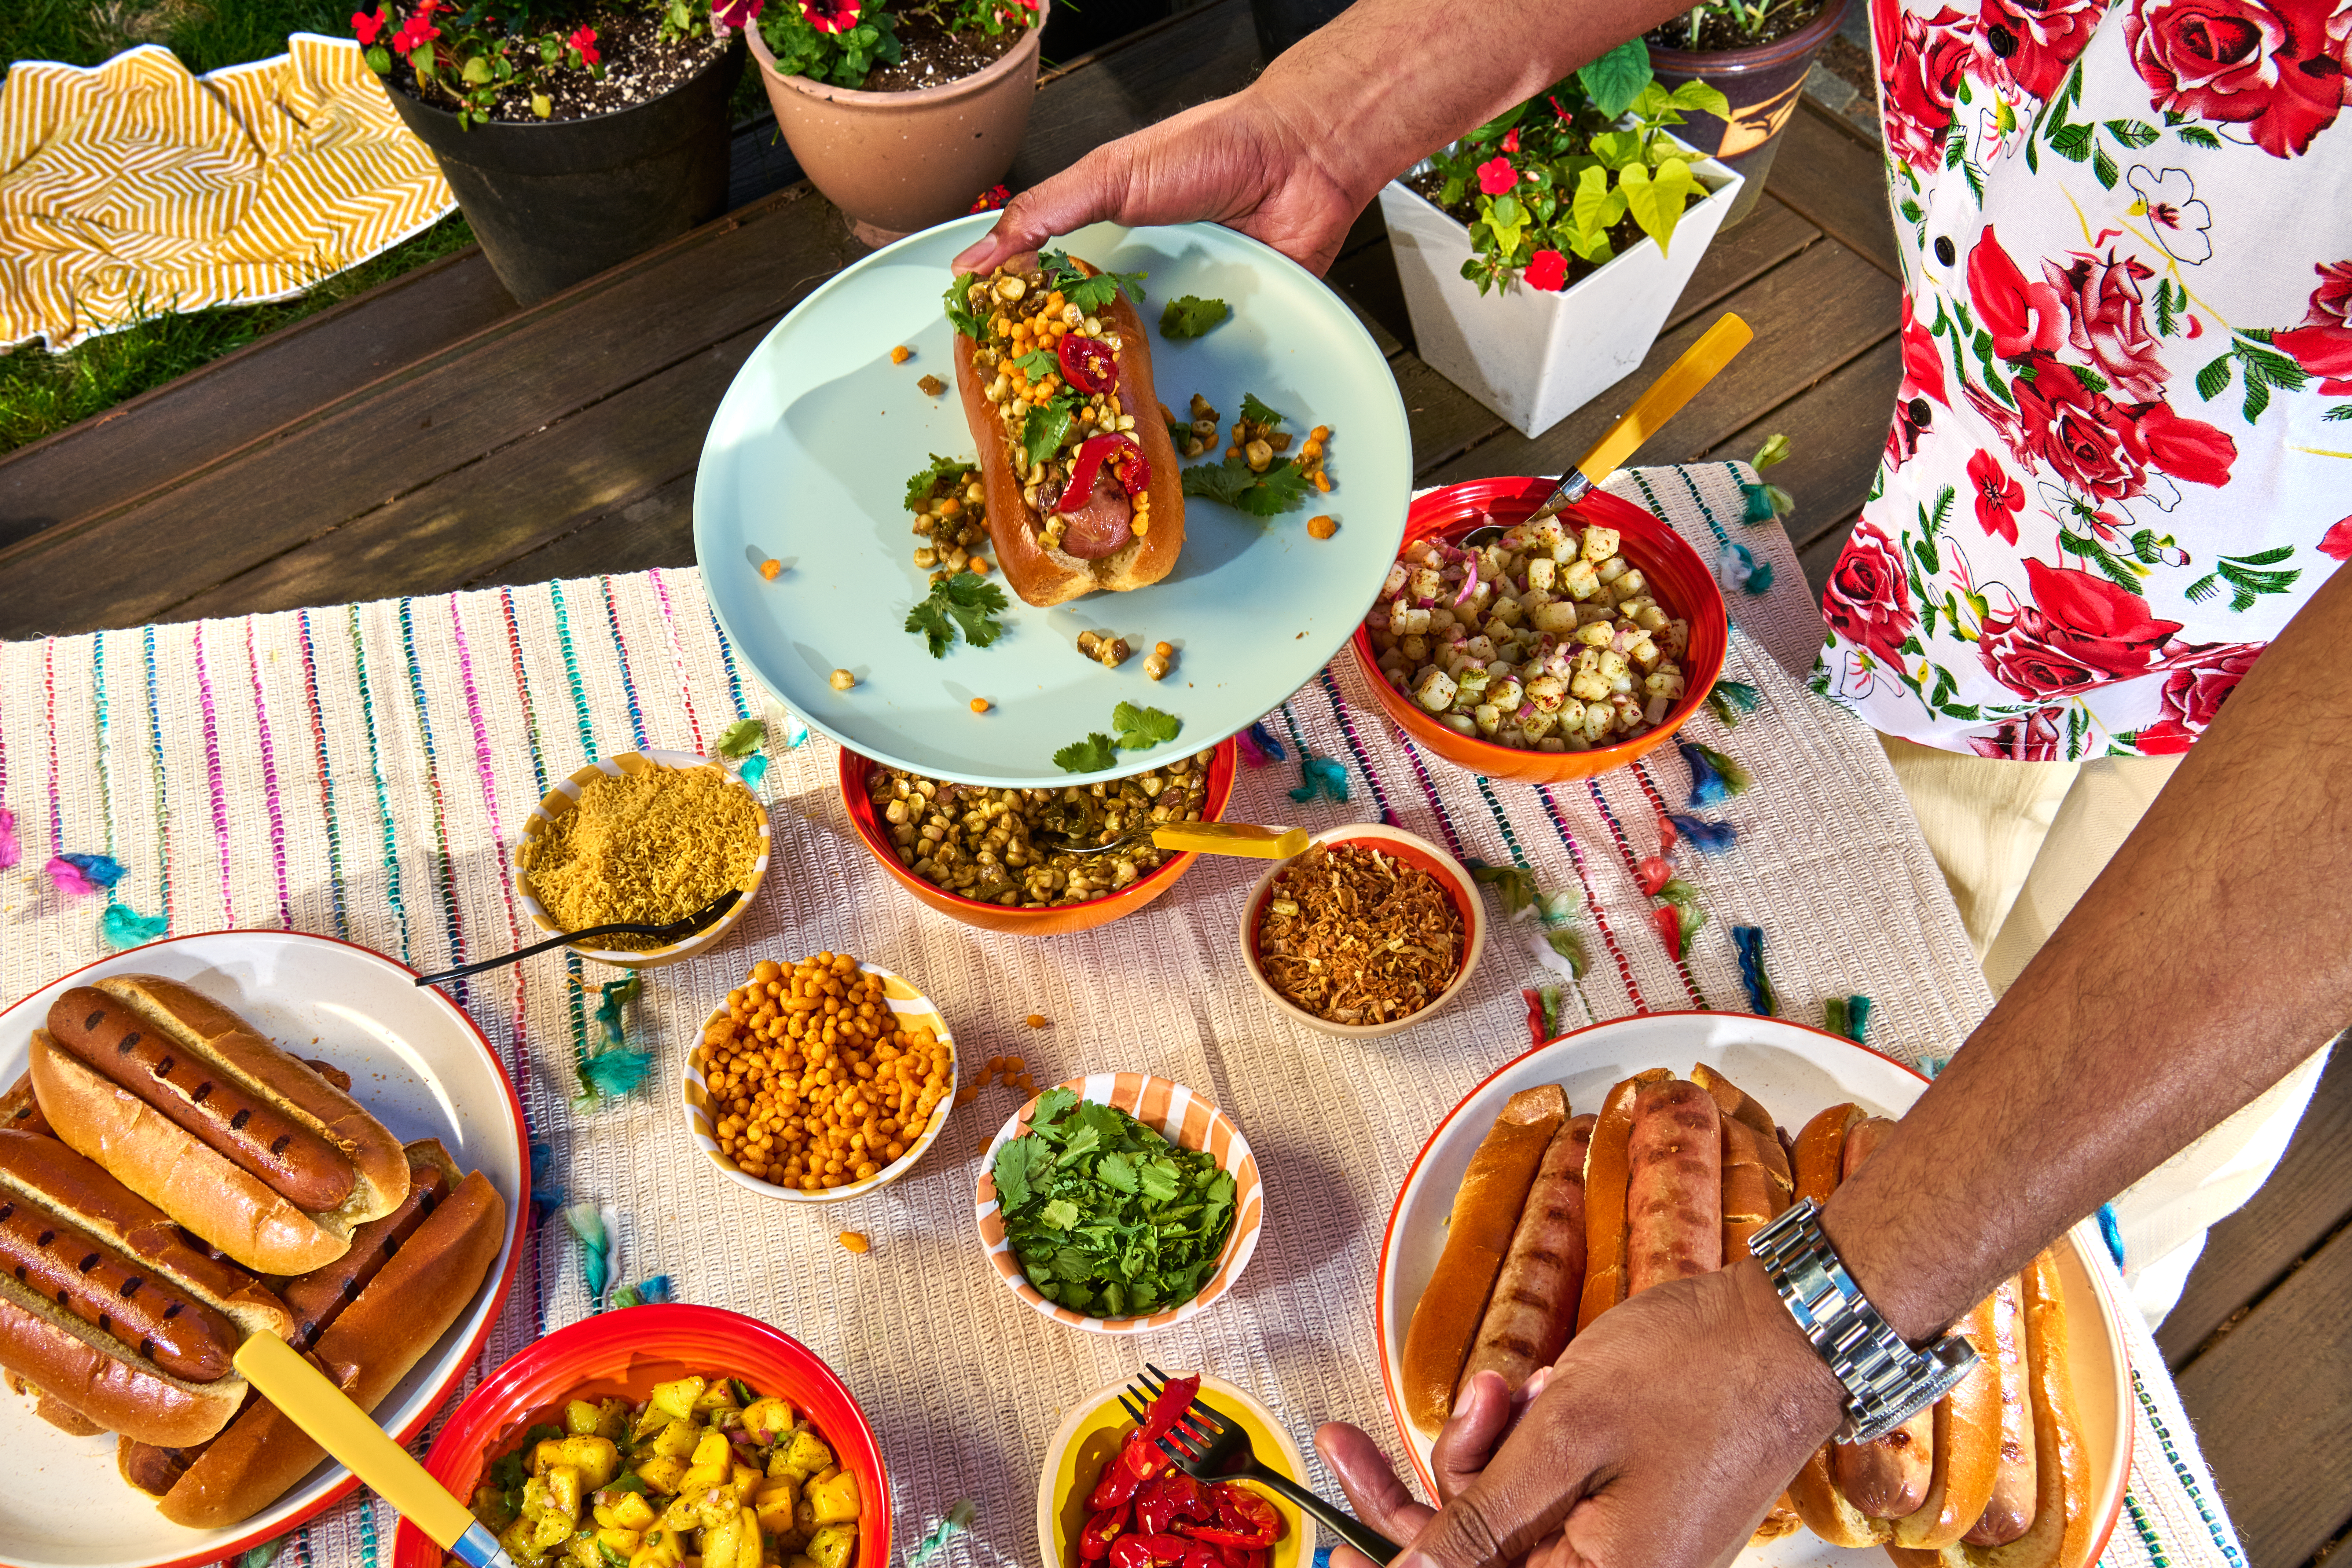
[(2076, 631), (2063, 425), (416, 32), (2193, 696), (2322, 344), (368, 24), (1866, 601), (737, 14), (2337, 542), (584, 40), (2023, 318), (2270, 65), (1547, 270), (2187, 449), (2102, 300), (1999, 496), (1497, 176), (1923, 359), (831, 16)]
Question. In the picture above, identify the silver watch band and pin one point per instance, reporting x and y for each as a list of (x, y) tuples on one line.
[(1887, 1382)]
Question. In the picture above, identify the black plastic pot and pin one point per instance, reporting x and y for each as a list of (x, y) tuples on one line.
[(558, 201), (1282, 23), (1762, 81)]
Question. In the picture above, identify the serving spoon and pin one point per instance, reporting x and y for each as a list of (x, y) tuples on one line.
[(1245, 840), (676, 931)]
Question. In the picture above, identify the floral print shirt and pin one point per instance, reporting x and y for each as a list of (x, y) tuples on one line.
[(2122, 451)]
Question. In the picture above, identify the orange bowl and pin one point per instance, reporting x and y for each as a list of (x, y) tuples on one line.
[(624, 1353), (1681, 580), (856, 770)]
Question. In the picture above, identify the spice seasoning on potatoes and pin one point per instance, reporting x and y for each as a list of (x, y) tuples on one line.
[(813, 1082), (1358, 936)]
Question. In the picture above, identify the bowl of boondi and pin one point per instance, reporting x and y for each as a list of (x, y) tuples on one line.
[(646, 836)]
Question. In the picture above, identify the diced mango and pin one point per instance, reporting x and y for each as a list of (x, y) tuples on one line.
[(767, 1420), (834, 1501), (773, 1503), (719, 1396), (661, 1472), (723, 1541), (629, 1511), (598, 1459), (676, 1439), (678, 1398), (806, 1454), (521, 1541), (833, 1546), (580, 1418), (563, 1490), (719, 1505), (748, 1553), (623, 1541), (745, 1480), (551, 1532), (799, 1560), (662, 1548)]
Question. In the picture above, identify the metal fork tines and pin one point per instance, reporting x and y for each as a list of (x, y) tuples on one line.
[(1209, 1446)]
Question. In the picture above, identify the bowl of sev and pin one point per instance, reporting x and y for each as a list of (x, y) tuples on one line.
[(1370, 931), (647, 838)]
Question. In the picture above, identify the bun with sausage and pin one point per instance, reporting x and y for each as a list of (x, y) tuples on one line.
[(254, 1152), (108, 1310), (1054, 369), (366, 1319)]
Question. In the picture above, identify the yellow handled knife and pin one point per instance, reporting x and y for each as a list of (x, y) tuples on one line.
[(1663, 400)]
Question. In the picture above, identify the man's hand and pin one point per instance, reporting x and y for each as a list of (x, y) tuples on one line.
[(1483, 1416)]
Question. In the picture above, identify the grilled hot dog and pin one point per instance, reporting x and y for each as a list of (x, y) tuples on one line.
[(1674, 1186), (1533, 1311)]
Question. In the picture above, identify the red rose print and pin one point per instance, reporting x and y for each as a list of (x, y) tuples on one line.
[(1920, 61), (2033, 41), (2185, 448), (1923, 359), (2079, 434), (2268, 65), (2033, 739), (2322, 344), (2102, 298), (2023, 318), (2337, 542), (1999, 496), (2193, 696), (1496, 176), (2075, 631), (1547, 270), (1866, 601)]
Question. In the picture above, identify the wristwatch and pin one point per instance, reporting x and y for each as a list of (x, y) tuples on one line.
[(1887, 1382)]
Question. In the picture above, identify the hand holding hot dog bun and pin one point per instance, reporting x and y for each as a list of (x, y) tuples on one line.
[(249, 1148)]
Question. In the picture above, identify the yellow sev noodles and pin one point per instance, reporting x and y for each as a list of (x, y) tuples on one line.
[(646, 848)]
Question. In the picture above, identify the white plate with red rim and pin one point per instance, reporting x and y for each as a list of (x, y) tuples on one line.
[(416, 1061), (1794, 1071)]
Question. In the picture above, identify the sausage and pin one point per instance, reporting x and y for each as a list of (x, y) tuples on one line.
[(1533, 1311), (1104, 524), (315, 1298), (20, 1113), (256, 1136), (1673, 1187), (2010, 1512), (1889, 1478), (64, 1263)]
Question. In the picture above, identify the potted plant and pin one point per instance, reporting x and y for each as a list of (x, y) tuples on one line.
[(898, 113), (1756, 53), (1540, 254), (575, 133)]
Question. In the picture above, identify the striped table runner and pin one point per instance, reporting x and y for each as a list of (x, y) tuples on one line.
[(357, 772)]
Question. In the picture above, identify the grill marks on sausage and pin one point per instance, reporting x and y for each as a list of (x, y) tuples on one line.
[(1674, 1186), (100, 1285), (317, 1297)]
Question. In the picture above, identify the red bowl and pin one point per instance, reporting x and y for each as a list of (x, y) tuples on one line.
[(1053, 921), (1681, 580), (626, 1352)]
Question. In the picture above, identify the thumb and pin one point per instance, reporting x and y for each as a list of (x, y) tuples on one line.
[(1093, 188), (1510, 1505)]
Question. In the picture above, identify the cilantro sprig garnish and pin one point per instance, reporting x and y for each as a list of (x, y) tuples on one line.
[(1107, 1216), (1191, 316), (960, 309), (1256, 413), (1092, 754), (959, 601), (1038, 363), (1281, 489), (1137, 729), (920, 487), (1094, 294), (1042, 432)]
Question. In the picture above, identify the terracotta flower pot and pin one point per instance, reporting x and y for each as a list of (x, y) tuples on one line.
[(1762, 81), (898, 162)]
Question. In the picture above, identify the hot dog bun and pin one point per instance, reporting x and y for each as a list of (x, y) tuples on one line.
[(1818, 1168), (423, 1285), (1532, 1311), (216, 1198), (1044, 576), (96, 1372), (1486, 1210), (1967, 1444), (1604, 1198)]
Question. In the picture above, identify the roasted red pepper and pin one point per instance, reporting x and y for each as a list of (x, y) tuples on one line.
[(1141, 1458), (1177, 1394), (1243, 1519), (1116, 1487), (1173, 1496), (1131, 468), (1198, 1555), (1087, 364), (1149, 1552), (1535, 1014), (1106, 1527)]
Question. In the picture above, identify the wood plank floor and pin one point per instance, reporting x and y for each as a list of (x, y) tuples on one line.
[(429, 436)]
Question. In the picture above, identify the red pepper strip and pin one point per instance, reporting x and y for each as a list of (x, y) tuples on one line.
[(1669, 922), (1244, 1519), (1235, 1556), (1087, 364), (1129, 1552), (1142, 1461), (1117, 1483), (1149, 1552), (1169, 1499), (1653, 873), (1200, 1556), (1177, 1394), (1102, 1530), (1127, 462)]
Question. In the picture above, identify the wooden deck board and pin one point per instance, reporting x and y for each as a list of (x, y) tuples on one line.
[(1837, 183)]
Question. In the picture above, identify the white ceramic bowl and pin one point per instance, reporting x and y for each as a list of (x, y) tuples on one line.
[(1413, 851), (909, 1008), (565, 796)]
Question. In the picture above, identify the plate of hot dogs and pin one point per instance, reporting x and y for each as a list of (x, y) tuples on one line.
[(1046, 430), (212, 1137), (1632, 1153)]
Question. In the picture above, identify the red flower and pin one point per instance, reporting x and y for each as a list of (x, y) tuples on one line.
[(2187, 449), (1923, 359), (2322, 344), (1511, 140), (991, 200), (2091, 443), (831, 16), (2337, 542), (416, 32), (1999, 496), (2033, 739), (1920, 60), (2023, 318), (2102, 300), (2077, 631), (1497, 176), (737, 14), (584, 40), (368, 24), (2193, 696), (1866, 601), (2268, 65), (2033, 41), (1547, 270)]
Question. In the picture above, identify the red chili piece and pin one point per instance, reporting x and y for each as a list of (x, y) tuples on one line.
[(1535, 1014), (1116, 1488), (1140, 1460), (1133, 470), (1149, 1552), (1102, 1531), (1173, 1498), (1087, 364), (1244, 1519)]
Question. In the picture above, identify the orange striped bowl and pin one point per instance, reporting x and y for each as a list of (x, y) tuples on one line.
[(1184, 1119)]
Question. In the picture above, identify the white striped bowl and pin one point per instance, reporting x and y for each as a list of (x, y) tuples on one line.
[(565, 796), (1185, 1119), (909, 1008)]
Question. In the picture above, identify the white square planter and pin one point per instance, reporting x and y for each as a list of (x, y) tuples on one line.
[(1536, 358)]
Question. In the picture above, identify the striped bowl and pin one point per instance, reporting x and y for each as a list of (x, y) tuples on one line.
[(910, 1008), (565, 797), (1184, 1119)]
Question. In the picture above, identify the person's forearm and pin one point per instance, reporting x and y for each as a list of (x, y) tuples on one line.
[(2209, 959)]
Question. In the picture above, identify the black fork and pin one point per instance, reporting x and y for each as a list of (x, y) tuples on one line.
[(1205, 1446)]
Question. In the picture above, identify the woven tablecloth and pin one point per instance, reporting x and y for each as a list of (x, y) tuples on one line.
[(358, 771)]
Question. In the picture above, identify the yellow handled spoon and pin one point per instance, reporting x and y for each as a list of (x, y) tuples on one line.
[(353, 1440), (1245, 840)]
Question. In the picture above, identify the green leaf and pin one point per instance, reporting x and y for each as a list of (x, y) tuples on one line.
[(2104, 167), (2164, 320), (1038, 363), (1158, 1179), (1914, 212), (2091, 381), (1699, 97), (958, 308), (1774, 450), (2213, 378), (920, 487), (1042, 432), (2269, 364), (2258, 398), (1924, 547), (1944, 499), (1258, 412), (1092, 754), (2339, 415), (1191, 316), (959, 601), (742, 738), (1283, 488), (2071, 143), (1094, 294), (1618, 149), (1615, 79), (1595, 206), (1142, 728), (1657, 198), (2198, 136), (2133, 134)]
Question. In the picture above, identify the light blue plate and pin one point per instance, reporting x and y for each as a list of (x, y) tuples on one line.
[(808, 463)]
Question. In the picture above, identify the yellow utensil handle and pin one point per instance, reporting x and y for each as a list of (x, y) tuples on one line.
[(1698, 365), (351, 1437), (1245, 839)]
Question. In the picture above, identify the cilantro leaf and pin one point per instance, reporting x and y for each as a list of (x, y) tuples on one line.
[(962, 600), (1258, 412), (1094, 294), (1281, 489), (1227, 481), (1158, 1179), (919, 487), (1050, 1106), (1117, 1172), (1092, 754), (1180, 433), (1192, 316), (930, 622), (1141, 728), (1011, 1173), (960, 309), (1061, 1214), (1038, 363), (1042, 432)]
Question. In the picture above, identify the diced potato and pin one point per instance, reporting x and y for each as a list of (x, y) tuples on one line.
[(1580, 580), (806, 1454), (678, 1398), (580, 1418), (769, 1418), (661, 1472), (1595, 634), (563, 1490), (834, 1499), (1434, 690), (1599, 544), (833, 1546), (1558, 617), (630, 1511), (1488, 718), (1539, 574)]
